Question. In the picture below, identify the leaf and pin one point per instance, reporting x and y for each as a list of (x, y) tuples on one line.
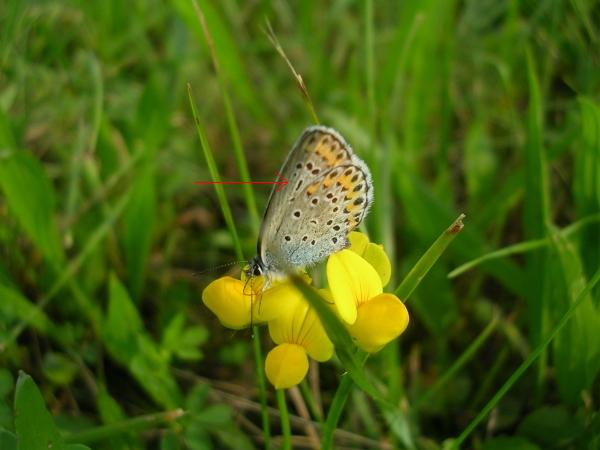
[(509, 443), (14, 306), (122, 325), (30, 197), (169, 441), (197, 438), (182, 342), (138, 225), (6, 417), (551, 426), (191, 339), (233, 438), (58, 368), (128, 342), (172, 333), (33, 423), (6, 383), (586, 183), (153, 373), (109, 409), (576, 348), (8, 441), (214, 415)]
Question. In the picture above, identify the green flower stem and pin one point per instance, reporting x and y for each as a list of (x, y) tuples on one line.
[(337, 406), (466, 356), (262, 388), (420, 269), (231, 122), (335, 411), (310, 402), (285, 420), (525, 364), (125, 426), (214, 173)]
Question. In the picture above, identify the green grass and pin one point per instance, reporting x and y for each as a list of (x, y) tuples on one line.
[(490, 108)]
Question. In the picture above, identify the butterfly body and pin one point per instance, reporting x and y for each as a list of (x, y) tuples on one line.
[(329, 193)]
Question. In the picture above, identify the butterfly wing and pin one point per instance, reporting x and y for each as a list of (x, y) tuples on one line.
[(328, 194)]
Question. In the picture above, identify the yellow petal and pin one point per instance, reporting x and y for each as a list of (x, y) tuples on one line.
[(379, 321), (300, 325), (314, 338), (358, 242), (352, 281), (375, 255), (286, 365), (275, 301), (226, 299), (282, 329)]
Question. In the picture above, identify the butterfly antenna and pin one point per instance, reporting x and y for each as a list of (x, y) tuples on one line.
[(251, 280), (220, 266)]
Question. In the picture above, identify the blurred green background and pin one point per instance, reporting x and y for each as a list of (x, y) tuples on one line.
[(486, 107)]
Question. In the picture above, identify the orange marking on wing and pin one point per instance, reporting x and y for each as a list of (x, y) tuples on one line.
[(352, 223), (349, 207), (312, 188), (345, 183), (324, 150)]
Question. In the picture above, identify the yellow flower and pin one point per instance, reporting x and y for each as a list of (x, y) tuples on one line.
[(299, 334), (237, 303), (374, 254), (372, 317)]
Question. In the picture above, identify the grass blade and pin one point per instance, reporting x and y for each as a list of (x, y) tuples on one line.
[(523, 247), (231, 122), (30, 196), (420, 269), (215, 176), (535, 220)]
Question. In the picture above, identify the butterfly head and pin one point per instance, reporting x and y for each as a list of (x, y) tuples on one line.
[(256, 267)]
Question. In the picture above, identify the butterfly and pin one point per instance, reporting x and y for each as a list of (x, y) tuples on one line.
[(329, 193)]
